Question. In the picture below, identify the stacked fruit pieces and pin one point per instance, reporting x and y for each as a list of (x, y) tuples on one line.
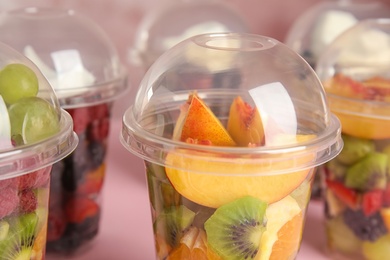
[(222, 214), (25, 120), (74, 212), (358, 180)]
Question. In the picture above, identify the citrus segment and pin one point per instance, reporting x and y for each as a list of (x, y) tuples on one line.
[(219, 183), (193, 246), (197, 121), (245, 124), (283, 231)]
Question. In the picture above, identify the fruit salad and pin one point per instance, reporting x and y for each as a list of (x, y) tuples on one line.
[(75, 208), (25, 120), (357, 181), (223, 215)]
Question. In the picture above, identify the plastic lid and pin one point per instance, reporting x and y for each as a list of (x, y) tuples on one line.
[(322, 23), (220, 67), (34, 131), (74, 54), (355, 71), (169, 24)]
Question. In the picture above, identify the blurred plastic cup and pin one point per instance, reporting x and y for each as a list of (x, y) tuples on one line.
[(229, 168), (35, 133), (82, 64), (355, 73), (319, 25), (173, 21)]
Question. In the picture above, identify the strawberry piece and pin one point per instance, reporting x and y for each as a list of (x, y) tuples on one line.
[(7, 183), (346, 195), (35, 179), (28, 201), (372, 202), (99, 112), (79, 209), (386, 196), (81, 119), (9, 201), (56, 223)]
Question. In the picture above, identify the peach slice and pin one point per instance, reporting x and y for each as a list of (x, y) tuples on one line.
[(197, 121), (212, 183), (352, 113), (245, 124)]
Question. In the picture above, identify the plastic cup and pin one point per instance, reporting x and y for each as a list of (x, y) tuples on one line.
[(319, 26), (83, 67), (355, 73), (229, 169), (163, 30), (35, 133)]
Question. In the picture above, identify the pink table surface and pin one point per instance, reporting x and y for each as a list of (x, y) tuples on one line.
[(126, 230)]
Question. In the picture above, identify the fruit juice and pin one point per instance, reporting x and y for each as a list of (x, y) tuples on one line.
[(357, 181), (75, 198), (230, 162), (33, 135)]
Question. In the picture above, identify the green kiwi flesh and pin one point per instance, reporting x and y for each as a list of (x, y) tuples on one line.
[(235, 229)]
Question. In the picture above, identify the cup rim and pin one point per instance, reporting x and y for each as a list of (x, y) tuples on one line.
[(22, 160), (154, 149)]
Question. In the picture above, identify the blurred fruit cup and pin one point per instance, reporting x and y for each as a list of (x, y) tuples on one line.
[(82, 65), (34, 133), (319, 25), (164, 31), (355, 73), (229, 169)]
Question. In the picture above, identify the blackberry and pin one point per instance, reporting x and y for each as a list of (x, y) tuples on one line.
[(97, 152), (368, 228)]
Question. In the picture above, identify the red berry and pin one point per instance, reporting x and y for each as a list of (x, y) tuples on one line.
[(346, 195), (79, 209), (372, 202), (56, 223), (7, 183), (100, 111), (81, 119), (35, 179), (9, 201), (28, 201)]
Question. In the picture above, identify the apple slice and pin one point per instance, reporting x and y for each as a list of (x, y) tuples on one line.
[(197, 121), (245, 124)]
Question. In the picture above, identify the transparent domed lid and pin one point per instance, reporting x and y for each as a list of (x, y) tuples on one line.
[(355, 71), (75, 55), (321, 24), (34, 130), (176, 20), (265, 97)]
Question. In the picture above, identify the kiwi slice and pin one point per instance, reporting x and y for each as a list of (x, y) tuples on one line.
[(173, 222), (337, 169), (4, 229), (234, 230), (368, 173), (20, 238), (354, 149)]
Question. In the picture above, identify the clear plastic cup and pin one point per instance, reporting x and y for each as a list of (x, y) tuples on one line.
[(355, 73), (175, 20), (82, 65), (319, 25), (229, 166), (35, 133)]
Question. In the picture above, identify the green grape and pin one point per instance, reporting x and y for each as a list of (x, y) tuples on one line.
[(17, 81), (32, 119)]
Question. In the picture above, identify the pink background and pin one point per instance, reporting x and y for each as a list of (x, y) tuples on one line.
[(126, 231)]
